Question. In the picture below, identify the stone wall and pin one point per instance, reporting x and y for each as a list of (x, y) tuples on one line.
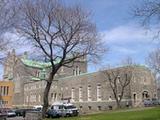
[(33, 115)]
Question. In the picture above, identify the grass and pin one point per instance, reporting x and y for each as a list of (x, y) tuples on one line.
[(142, 114)]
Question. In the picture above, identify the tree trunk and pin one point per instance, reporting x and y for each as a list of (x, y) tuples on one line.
[(118, 103), (46, 94)]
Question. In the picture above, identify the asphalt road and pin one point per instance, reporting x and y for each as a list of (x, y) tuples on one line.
[(15, 118)]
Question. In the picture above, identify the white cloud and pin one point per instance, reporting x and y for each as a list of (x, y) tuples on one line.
[(129, 40), (123, 49), (127, 34)]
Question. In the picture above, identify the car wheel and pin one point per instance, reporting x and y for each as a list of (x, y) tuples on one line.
[(58, 116), (47, 116)]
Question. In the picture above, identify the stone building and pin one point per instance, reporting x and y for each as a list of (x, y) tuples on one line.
[(22, 71), (88, 91)]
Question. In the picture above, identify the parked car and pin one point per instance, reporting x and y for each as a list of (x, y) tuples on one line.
[(155, 101), (38, 107), (19, 112), (61, 109), (22, 112), (70, 110), (52, 113), (3, 114), (151, 102), (147, 103), (11, 113)]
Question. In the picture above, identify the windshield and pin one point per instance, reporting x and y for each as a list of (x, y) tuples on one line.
[(70, 107)]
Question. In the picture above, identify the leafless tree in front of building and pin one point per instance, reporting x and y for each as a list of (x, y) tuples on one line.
[(119, 79), (62, 33), (153, 60)]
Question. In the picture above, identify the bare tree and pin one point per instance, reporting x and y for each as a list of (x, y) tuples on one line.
[(148, 13), (153, 60), (62, 33), (7, 20), (119, 79)]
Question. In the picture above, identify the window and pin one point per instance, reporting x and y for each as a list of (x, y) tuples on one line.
[(110, 98), (80, 94), (76, 71), (134, 97), (4, 90), (99, 97), (73, 94), (80, 107), (27, 100), (37, 73), (89, 107), (42, 74), (33, 98), (73, 72), (119, 96), (89, 93), (7, 91), (55, 96), (1, 90), (61, 88), (99, 108), (51, 95), (39, 98)]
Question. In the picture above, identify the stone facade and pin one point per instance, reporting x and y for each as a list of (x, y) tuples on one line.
[(22, 71), (88, 91)]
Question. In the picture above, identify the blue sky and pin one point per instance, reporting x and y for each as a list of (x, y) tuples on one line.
[(120, 32)]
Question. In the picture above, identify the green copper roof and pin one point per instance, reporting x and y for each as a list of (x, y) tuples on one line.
[(37, 64)]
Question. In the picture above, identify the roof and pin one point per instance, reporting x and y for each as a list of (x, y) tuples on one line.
[(37, 64), (82, 74)]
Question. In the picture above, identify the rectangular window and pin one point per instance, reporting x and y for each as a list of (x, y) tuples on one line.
[(27, 100), (39, 98), (7, 91), (89, 93), (51, 95), (89, 108), (80, 94), (4, 90), (99, 97), (73, 94)]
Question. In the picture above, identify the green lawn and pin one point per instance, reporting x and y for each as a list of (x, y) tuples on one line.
[(145, 114)]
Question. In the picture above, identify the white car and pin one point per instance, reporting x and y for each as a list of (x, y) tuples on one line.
[(65, 109), (11, 113), (70, 110)]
